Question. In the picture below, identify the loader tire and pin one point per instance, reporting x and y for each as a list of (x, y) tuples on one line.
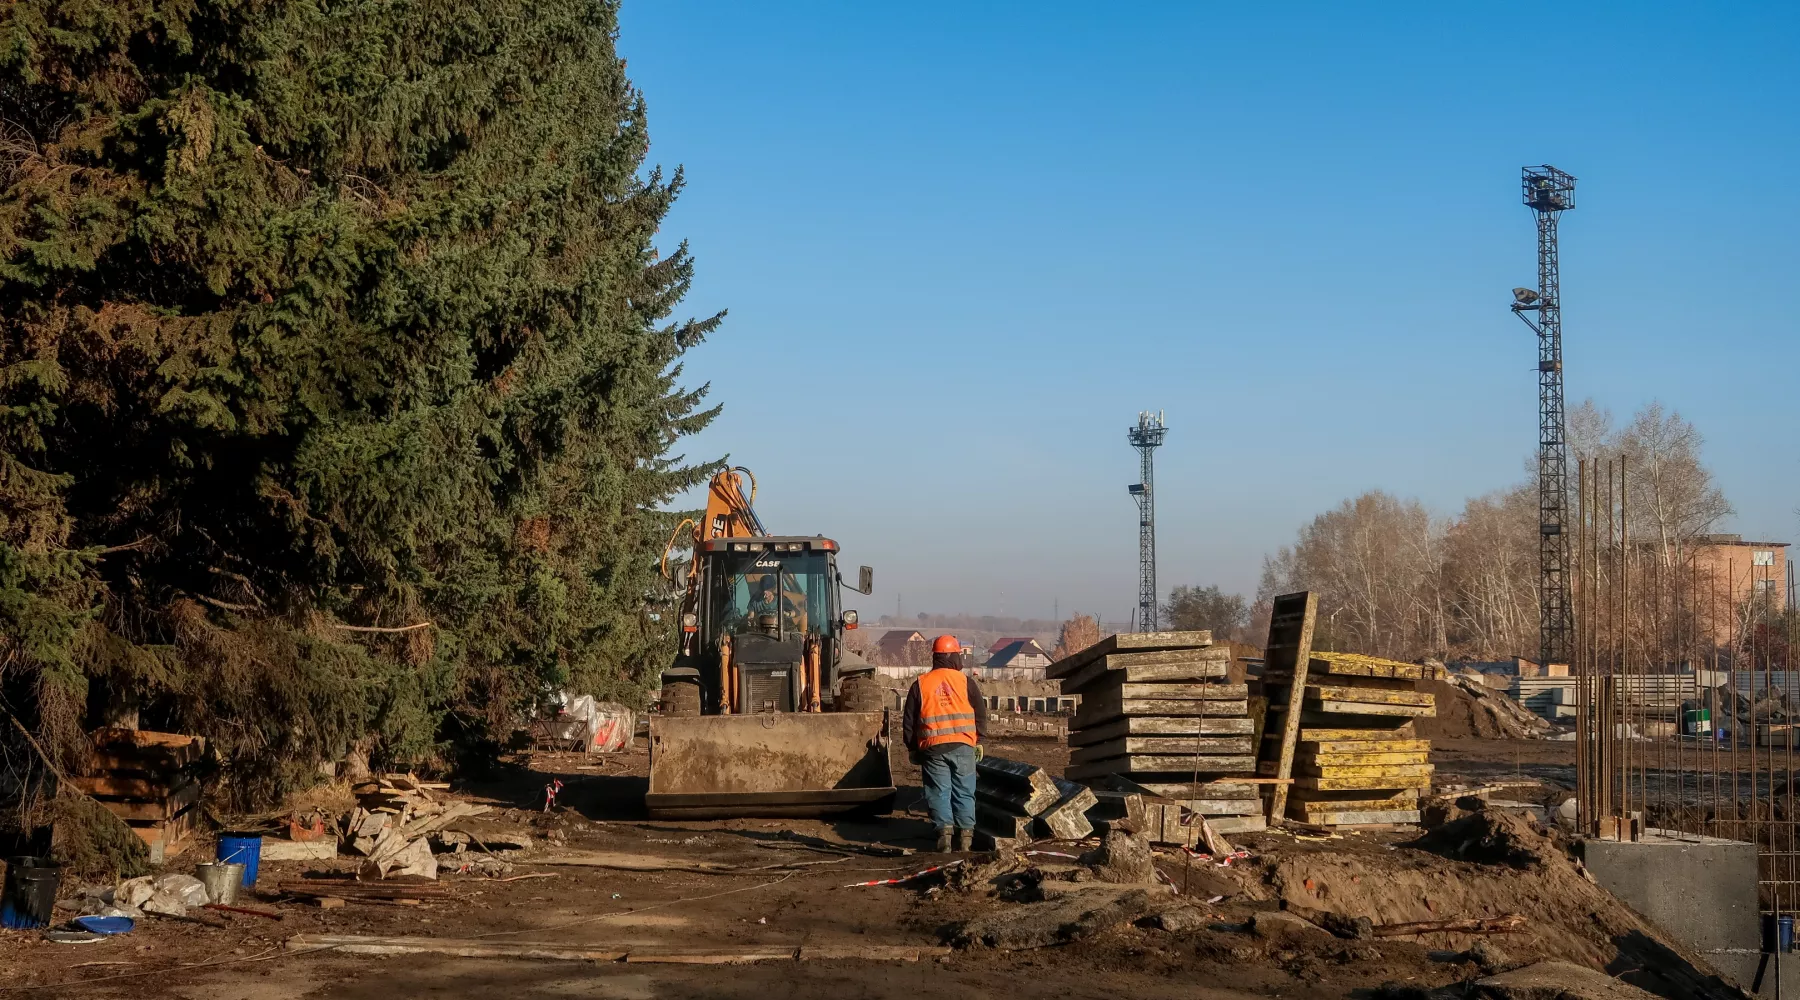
[(860, 693), (681, 699)]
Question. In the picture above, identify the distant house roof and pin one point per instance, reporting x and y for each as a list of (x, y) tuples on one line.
[(897, 640), (1000, 644), (1018, 649)]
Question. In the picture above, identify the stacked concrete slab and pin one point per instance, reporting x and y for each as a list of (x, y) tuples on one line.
[(1156, 708), (1357, 760)]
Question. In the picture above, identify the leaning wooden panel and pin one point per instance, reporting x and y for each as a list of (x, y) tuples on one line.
[(1287, 655)]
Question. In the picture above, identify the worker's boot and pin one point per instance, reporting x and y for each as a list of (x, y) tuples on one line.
[(965, 841), (943, 844)]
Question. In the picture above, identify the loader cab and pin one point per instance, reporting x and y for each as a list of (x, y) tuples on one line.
[(767, 597)]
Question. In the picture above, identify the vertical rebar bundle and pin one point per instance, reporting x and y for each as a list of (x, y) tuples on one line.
[(1684, 683)]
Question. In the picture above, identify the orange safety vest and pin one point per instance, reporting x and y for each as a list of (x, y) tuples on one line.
[(945, 714)]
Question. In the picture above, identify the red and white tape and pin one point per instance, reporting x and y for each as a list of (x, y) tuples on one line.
[(907, 878)]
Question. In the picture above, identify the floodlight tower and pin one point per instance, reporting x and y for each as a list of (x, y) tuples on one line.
[(1146, 437), (1549, 192)]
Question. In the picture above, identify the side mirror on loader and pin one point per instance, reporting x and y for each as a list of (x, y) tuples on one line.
[(865, 581)]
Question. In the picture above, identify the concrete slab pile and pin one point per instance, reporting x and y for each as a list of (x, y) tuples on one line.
[(1156, 708)]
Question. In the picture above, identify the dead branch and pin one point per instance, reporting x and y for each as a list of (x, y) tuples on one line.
[(378, 628)]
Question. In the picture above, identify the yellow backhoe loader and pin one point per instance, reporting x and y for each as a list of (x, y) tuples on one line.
[(764, 712)]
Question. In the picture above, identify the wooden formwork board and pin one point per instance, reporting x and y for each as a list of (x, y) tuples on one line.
[(1308, 770), (1365, 746), (1349, 817), (1286, 658), (1357, 665), (1404, 798), (1362, 784), (1159, 726), (1363, 759)]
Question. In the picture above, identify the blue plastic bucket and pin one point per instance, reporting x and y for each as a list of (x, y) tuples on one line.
[(244, 849)]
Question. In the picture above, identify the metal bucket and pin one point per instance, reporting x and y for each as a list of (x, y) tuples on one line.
[(222, 879), (786, 764)]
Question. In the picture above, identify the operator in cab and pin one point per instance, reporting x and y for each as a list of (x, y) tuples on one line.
[(945, 719)]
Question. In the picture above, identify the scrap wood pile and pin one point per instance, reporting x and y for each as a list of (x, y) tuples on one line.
[(395, 816), (1017, 803), (1156, 708), (1357, 759), (148, 779)]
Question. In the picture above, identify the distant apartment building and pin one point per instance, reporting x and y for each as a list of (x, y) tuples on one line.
[(1737, 573)]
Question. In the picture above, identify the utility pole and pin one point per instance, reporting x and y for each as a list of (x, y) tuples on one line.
[(1549, 192), (1146, 437)]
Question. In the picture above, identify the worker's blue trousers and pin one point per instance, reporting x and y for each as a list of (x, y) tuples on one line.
[(950, 785)]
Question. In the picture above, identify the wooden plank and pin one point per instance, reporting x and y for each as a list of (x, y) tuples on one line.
[(1138, 764), (1365, 759), (1126, 642), (151, 760), (1352, 801), (179, 799), (1099, 710), (1161, 744), (1306, 770), (1164, 825), (1174, 665), (1346, 817), (1365, 746), (128, 738), (124, 786), (1360, 784), (1288, 654), (1144, 726)]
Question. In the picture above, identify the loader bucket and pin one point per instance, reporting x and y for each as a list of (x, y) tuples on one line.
[(783, 764)]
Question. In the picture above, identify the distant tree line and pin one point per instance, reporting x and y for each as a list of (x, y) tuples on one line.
[(1395, 580)]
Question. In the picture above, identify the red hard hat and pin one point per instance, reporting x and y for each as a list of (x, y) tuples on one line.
[(946, 644)]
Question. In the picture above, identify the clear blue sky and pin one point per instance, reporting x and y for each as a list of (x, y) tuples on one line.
[(962, 245)]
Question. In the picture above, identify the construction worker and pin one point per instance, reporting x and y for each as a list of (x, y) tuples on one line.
[(946, 716)]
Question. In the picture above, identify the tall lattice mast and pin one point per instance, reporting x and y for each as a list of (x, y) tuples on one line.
[(1146, 437), (1549, 192)]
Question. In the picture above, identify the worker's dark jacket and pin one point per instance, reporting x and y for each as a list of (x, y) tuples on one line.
[(909, 725)]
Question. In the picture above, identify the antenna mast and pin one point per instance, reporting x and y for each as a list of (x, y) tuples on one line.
[(1146, 437), (1549, 192)]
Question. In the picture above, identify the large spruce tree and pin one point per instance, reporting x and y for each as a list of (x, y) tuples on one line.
[(329, 313)]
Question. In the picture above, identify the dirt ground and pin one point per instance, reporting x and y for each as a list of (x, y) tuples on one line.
[(788, 888)]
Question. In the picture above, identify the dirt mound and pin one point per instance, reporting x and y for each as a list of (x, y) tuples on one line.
[(1475, 712), (1490, 837)]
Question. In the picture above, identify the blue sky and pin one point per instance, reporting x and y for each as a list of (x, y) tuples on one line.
[(962, 245)]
